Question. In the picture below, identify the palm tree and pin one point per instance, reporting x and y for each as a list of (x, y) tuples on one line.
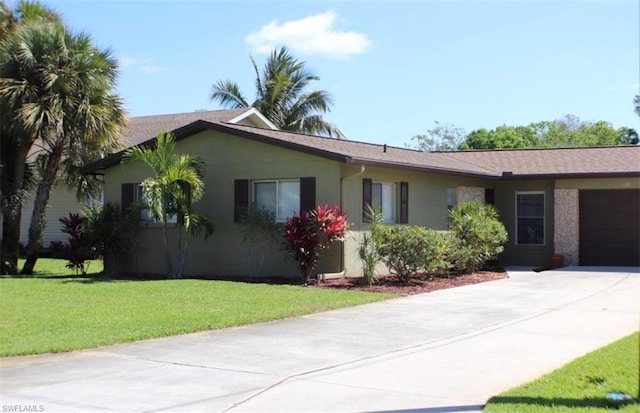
[(176, 183), (281, 96), (17, 176), (56, 87)]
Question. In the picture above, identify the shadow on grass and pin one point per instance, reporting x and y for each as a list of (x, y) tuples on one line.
[(99, 278), (601, 402)]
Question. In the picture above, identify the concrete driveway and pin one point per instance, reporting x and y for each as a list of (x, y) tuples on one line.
[(446, 351)]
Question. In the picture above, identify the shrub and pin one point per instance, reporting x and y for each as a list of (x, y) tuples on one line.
[(112, 232), (57, 249), (309, 234), (480, 236), (79, 248), (403, 249), (258, 228), (368, 248), (436, 249)]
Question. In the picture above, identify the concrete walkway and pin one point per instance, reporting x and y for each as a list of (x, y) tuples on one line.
[(446, 351)]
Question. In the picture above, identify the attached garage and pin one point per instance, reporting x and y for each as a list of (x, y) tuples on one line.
[(610, 227)]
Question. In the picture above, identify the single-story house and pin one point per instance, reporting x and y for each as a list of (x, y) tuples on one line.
[(138, 129), (582, 203)]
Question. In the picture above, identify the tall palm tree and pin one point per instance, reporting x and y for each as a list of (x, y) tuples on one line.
[(57, 88), (17, 176), (281, 96), (175, 184)]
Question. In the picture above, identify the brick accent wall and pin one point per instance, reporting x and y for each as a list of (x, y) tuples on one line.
[(566, 235), (468, 194)]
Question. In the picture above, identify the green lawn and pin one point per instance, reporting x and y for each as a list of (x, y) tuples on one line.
[(580, 386), (61, 312)]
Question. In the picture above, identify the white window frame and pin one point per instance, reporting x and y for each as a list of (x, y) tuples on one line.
[(544, 217), (277, 206), (393, 218)]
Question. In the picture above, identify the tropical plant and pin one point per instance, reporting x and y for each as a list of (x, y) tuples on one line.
[(79, 249), (176, 183), (310, 234), (56, 92), (480, 235), (281, 96), (258, 228), (112, 231), (368, 248)]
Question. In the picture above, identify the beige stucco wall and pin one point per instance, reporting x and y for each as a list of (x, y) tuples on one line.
[(427, 202), (567, 224), (228, 158), (599, 183)]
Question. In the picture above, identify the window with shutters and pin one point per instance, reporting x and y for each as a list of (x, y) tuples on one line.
[(281, 197), (383, 197), (530, 218)]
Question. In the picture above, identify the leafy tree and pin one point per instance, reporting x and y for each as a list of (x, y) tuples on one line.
[(281, 96), (176, 183), (501, 137), (442, 137), (56, 94), (636, 104), (569, 131), (310, 234)]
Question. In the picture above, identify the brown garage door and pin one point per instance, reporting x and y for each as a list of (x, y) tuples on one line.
[(610, 227)]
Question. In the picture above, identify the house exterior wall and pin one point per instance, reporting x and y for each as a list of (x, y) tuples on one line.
[(61, 202), (567, 224), (567, 211), (505, 202), (228, 158), (427, 203)]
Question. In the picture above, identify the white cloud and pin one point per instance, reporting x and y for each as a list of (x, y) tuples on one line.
[(636, 86), (313, 34), (125, 61), (151, 69), (146, 65)]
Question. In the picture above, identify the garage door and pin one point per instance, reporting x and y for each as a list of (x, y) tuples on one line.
[(610, 227)]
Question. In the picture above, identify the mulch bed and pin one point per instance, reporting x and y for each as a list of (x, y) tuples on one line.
[(422, 284)]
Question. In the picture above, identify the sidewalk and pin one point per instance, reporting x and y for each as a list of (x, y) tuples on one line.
[(446, 351)]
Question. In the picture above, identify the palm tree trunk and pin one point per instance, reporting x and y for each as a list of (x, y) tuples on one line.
[(167, 251), (12, 214), (41, 200)]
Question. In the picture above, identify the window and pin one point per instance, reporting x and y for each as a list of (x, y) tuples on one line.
[(145, 214), (451, 203), (530, 218), (383, 198), (281, 197)]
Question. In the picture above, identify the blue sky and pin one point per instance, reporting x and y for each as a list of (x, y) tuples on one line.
[(392, 67)]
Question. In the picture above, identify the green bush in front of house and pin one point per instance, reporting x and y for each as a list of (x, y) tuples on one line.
[(475, 236), (478, 236)]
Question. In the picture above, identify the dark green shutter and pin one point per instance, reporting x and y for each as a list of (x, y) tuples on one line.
[(367, 191), (127, 195), (240, 198), (307, 194), (404, 202)]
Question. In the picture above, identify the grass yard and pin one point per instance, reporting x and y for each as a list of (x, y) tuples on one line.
[(580, 386), (55, 311)]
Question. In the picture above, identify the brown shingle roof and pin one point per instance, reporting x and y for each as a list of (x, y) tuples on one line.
[(610, 160), (142, 128), (601, 161)]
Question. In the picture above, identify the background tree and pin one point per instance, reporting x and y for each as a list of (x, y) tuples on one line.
[(636, 104), (442, 137), (569, 131), (281, 96), (176, 183)]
